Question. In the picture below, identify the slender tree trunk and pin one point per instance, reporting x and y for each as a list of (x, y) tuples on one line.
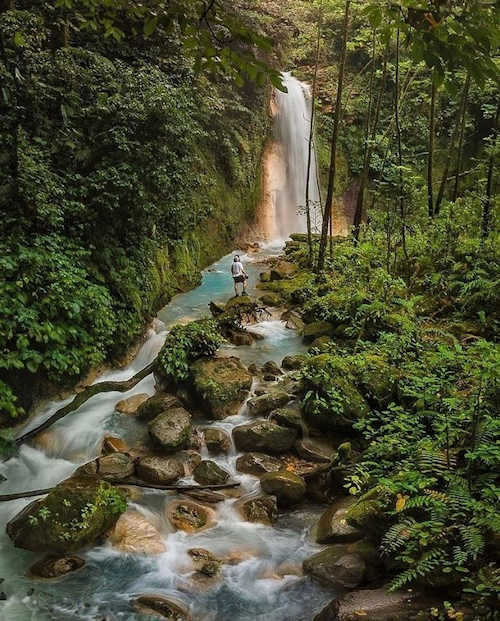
[(400, 153), (430, 157), (485, 226), (331, 176), (460, 147), (311, 139), (452, 147)]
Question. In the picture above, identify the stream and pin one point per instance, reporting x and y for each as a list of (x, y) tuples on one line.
[(266, 584)]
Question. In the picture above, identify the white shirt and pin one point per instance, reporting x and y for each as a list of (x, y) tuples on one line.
[(237, 269)]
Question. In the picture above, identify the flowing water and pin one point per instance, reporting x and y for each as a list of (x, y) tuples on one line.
[(260, 586)]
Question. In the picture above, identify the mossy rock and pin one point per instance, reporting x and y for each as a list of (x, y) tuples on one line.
[(377, 380), (283, 270), (160, 606), (336, 567), (156, 405), (258, 463), (271, 299), (265, 276), (333, 527), (287, 486), (261, 406), (207, 472), (74, 515), (221, 385), (262, 508), (264, 437), (294, 362), (171, 430), (368, 514), (317, 329), (217, 440)]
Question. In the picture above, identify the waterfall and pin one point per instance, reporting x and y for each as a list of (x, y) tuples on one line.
[(285, 165)]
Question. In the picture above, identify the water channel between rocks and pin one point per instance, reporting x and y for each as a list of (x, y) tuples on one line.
[(262, 586)]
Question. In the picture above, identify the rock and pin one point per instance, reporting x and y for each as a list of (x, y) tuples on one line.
[(258, 463), (377, 605), (272, 368), (287, 486), (56, 566), (157, 605), (171, 430), (204, 561), (368, 512), (264, 437), (156, 405), (292, 363), (336, 567), (293, 320), (261, 406), (131, 404), (134, 534), (216, 309), (189, 459), (288, 417), (253, 368), (240, 338), (271, 299), (265, 277), (217, 441), (315, 329), (205, 495), (209, 473), (333, 527), (159, 470), (315, 449), (113, 444), (221, 385), (195, 440), (261, 509), (283, 270), (116, 466), (318, 487), (321, 344), (55, 523), (189, 516)]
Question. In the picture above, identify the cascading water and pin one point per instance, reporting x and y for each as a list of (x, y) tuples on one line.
[(285, 164)]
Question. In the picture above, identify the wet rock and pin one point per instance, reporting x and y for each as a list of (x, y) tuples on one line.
[(263, 509), (113, 444), (216, 308), (189, 460), (336, 567), (189, 516), (131, 404), (155, 405), (209, 473), (134, 534), (316, 329), (205, 495), (318, 487), (158, 605), (368, 512), (253, 368), (221, 385), (195, 442), (293, 320), (283, 270), (56, 566), (217, 440), (292, 363), (240, 338), (55, 524), (204, 561), (271, 368), (261, 406), (264, 437), (265, 277), (116, 466), (287, 486), (333, 527), (315, 449), (271, 299), (171, 430), (159, 470), (258, 463), (288, 417)]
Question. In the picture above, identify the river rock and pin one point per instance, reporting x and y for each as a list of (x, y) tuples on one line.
[(240, 338), (333, 527), (56, 566), (189, 516), (55, 524), (336, 567), (271, 368), (316, 329), (113, 444), (261, 406), (159, 470), (157, 605), (204, 561), (293, 320), (265, 437), (294, 362), (258, 463), (271, 299), (217, 440), (171, 430), (207, 472), (283, 270), (263, 509), (221, 385), (134, 534), (116, 466), (288, 417), (287, 486), (315, 449), (155, 405), (131, 404), (189, 460), (206, 496)]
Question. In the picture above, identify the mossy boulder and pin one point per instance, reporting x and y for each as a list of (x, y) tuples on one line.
[(317, 329), (333, 526), (287, 486), (217, 440), (261, 509), (56, 566), (159, 470), (264, 437), (189, 516), (288, 417), (294, 362), (377, 380), (271, 299), (265, 276), (171, 430), (112, 467), (368, 513), (204, 561), (207, 472), (258, 463), (75, 514), (263, 405), (221, 385), (336, 567), (283, 270), (156, 405)]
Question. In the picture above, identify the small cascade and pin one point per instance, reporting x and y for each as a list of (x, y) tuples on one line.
[(285, 164)]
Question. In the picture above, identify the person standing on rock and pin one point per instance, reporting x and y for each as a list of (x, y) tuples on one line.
[(239, 275)]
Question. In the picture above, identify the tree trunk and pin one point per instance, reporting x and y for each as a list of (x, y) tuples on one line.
[(485, 225), (460, 147), (331, 176), (430, 157), (400, 154)]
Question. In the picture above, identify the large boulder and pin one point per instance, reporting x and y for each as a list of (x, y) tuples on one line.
[(217, 440), (207, 472), (294, 362), (283, 270), (318, 450), (56, 566), (368, 513), (261, 509), (265, 437), (134, 534), (261, 406), (271, 299), (335, 566), (159, 470), (112, 467), (160, 606), (316, 329), (131, 404), (204, 561), (333, 527), (258, 463), (171, 430), (156, 405), (287, 486), (288, 417), (114, 444), (189, 516), (221, 385), (62, 522)]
